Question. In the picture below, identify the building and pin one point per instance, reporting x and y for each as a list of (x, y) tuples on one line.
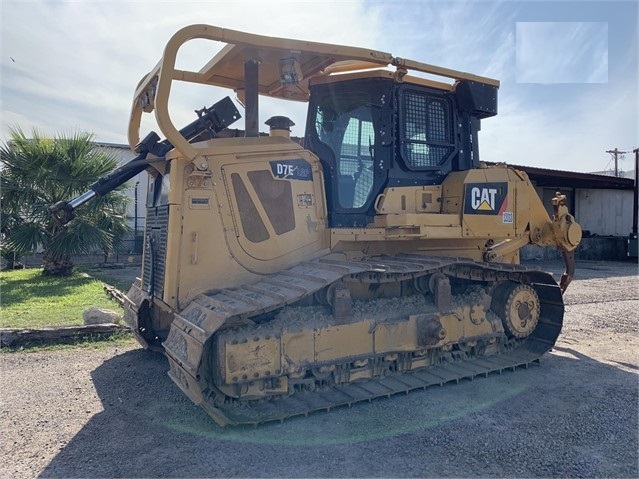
[(136, 189), (601, 204)]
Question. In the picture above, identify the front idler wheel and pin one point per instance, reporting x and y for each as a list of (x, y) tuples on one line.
[(518, 307)]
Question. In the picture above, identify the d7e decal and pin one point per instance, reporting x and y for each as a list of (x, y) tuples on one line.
[(292, 170)]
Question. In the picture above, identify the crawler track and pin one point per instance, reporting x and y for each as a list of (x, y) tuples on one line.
[(366, 390), (191, 330)]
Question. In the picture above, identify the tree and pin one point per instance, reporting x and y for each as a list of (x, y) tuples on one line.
[(8, 222), (38, 172)]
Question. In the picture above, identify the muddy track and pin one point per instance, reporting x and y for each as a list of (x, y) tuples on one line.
[(188, 344)]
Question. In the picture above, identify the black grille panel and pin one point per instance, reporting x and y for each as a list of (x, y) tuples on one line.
[(157, 223), (428, 136)]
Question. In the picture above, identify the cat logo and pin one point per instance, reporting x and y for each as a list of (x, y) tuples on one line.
[(483, 198), (486, 198)]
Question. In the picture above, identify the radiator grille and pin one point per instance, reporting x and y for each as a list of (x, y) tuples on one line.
[(157, 222)]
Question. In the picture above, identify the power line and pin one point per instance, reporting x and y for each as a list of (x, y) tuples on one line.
[(617, 155)]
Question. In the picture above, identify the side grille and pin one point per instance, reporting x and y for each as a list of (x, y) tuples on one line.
[(157, 222)]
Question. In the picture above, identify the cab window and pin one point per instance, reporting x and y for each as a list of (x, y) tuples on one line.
[(351, 136), (427, 134)]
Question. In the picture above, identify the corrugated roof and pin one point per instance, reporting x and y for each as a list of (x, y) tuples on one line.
[(560, 178)]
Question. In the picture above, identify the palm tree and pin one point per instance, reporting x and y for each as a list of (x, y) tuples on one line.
[(8, 222), (40, 171)]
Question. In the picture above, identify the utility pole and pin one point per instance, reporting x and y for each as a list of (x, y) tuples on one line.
[(635, 209), (615, 154), (633, 241)]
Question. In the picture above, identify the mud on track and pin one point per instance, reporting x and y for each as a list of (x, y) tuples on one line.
[(115, 413)]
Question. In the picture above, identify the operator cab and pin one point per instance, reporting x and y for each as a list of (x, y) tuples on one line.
[(376, 133)]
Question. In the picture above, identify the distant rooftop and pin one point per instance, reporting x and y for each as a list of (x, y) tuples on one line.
[(572, 179), (112, 145), (621, 174)]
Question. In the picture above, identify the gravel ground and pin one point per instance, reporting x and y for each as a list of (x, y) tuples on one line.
[(113, 412)]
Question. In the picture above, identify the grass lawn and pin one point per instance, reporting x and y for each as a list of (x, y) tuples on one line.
[(112, 276), (91, 342), (30, 300)]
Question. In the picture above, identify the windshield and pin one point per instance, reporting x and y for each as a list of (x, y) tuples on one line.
[(344, 122)]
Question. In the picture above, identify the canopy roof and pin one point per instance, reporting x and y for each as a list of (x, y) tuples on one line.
[(313, 59), (286, 67)]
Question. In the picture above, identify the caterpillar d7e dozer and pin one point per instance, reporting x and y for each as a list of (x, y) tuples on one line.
[(380, 257)]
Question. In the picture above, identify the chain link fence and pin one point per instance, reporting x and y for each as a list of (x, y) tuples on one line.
[(130, 251)]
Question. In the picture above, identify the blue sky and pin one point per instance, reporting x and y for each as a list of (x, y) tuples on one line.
[(569, 70)]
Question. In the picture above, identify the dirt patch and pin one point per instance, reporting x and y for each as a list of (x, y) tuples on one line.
[(115, 413)]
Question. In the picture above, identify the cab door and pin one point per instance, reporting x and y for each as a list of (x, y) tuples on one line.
[(277, 205)]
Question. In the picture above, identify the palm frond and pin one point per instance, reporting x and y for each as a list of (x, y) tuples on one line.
[(40, 171), (26, 237)]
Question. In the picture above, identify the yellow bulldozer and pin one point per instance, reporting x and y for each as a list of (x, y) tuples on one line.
[(375, 255)]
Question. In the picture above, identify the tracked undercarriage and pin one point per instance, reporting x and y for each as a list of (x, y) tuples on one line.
[(329, 333)]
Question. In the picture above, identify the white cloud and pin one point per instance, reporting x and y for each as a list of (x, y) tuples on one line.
[(77, 64), (463, 35), (572, 136), (562, 52)]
